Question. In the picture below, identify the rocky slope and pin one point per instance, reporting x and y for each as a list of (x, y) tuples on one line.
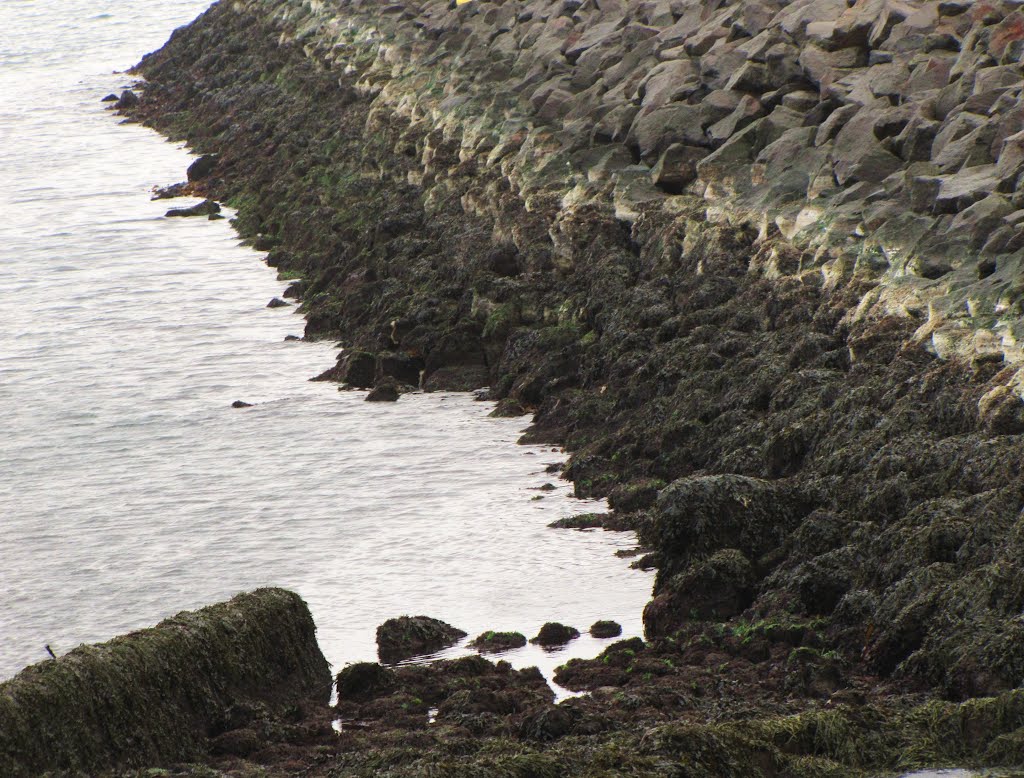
[(757, 264)]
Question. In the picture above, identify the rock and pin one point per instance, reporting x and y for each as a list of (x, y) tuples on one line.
[(1002, 411), (605, 629), (258, 648), (409, 636), (717, 588), (127, 101), (355, 369), (386, 392), (169, 192), (292, 337), (404, 368), (111, 98), (202, 167), (554, 634), (364, 681), (277, 302), (498, 641), (241, 404), (205, 208)]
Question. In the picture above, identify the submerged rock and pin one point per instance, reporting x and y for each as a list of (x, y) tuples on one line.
[(555, 634), (241, 404), (408, 636), (277, 302)]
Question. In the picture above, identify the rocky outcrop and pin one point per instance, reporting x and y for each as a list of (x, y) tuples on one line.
[(154, 696)]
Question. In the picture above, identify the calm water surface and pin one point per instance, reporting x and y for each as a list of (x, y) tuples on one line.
[(130, 489)]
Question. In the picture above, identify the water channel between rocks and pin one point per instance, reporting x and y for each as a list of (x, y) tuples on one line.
[(132, 490)]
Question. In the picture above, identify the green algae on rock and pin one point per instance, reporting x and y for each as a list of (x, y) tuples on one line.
[(151, 697), (408, 636)]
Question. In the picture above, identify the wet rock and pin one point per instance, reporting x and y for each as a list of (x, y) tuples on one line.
[(292, 338), (205, 208), (277, 302), (717, 588), (257, 648), (555, 634), (498, 641), (170, 192), (408, 636), (404, 368), (127, 101), (605, 629), (364, 681), (384, 392), (202, 167), (241, 404), (111, 98), (355, 369)]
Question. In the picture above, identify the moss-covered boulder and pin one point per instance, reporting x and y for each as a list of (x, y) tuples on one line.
[(151, 697), (409, 636)]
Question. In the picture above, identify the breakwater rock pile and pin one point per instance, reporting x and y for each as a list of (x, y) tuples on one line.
[(756, 264)]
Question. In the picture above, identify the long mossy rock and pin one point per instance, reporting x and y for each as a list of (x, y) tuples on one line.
[(409, 636), (151, 697)]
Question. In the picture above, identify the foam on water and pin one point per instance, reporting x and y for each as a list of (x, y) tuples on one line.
[(130, 489)]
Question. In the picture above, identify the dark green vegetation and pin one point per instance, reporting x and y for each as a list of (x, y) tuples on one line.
[(835, 513), (153, 696)]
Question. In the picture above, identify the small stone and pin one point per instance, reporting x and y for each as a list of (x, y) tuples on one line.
[(292, 337), (111, 98), (241, 404), (277, 302)]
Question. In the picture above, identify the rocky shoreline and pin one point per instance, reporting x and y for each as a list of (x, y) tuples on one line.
[(757, 265)]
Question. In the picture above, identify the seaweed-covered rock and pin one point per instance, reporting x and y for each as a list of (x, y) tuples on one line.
[(94, 708), (408, 636), (555, 634), (363, 681), (605, 629), (202, 167), (205, 208), (491, 641)]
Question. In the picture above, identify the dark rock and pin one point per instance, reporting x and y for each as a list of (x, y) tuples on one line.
[(364, 681), (277, 302), (292, 337), (202, 167), (356, 369), (205, 208), (605, 629), (408, 636), (294, 290), (127, 101), (241, 404), (257, 648), (111, 98), (169, 192), (384, 393), (555, 634), (717, 588), (499, 641), (403, 368)]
